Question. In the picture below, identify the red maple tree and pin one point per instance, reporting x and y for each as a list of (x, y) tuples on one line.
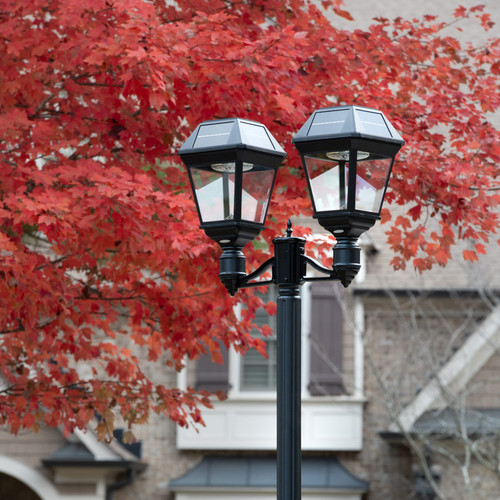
[(99, 238)]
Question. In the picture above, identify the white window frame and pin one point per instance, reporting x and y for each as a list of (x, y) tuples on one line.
[(234, 359), (246, 420)]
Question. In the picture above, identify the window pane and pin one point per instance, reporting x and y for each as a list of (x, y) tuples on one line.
[(259, 373)]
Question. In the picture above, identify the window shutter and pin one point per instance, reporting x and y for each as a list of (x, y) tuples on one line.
[(211, 376), (327, 321)]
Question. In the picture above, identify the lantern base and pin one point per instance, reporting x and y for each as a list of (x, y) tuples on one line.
[(346, 224), (232, 233), (346, 260), (232, 268)]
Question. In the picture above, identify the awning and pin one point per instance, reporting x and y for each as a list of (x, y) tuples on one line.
[(449, 423), (259, 472)]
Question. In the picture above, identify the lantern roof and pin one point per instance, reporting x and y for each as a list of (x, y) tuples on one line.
[(344, 122), (231, 133)]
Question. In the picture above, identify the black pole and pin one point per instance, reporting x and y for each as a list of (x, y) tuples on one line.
[(289, 270)]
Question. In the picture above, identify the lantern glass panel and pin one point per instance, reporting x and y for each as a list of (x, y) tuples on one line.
[(371, 178), (214, 190), (214, 187), (328, 182), (329, 174), (257, 185)]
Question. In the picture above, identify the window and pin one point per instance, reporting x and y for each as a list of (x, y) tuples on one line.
[(256, 372), (322, 333), (246, 420)]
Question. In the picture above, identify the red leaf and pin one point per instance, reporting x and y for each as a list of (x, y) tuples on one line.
[(480, 248), (470, 255), (343, 13)]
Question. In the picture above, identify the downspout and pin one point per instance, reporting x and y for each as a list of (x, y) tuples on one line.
[(111, 488)]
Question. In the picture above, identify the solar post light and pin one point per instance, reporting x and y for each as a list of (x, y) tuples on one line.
[(232, 165), (347, 154)]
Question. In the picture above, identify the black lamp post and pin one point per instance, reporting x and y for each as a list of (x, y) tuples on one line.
[(347, 152)]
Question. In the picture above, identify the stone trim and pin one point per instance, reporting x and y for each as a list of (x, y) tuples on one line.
[(30, 477), (459, 370)]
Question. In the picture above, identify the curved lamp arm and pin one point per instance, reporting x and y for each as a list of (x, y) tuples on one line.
[(247, 281), (331, 273), (234, 282), (346, 256), (232, 270)]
